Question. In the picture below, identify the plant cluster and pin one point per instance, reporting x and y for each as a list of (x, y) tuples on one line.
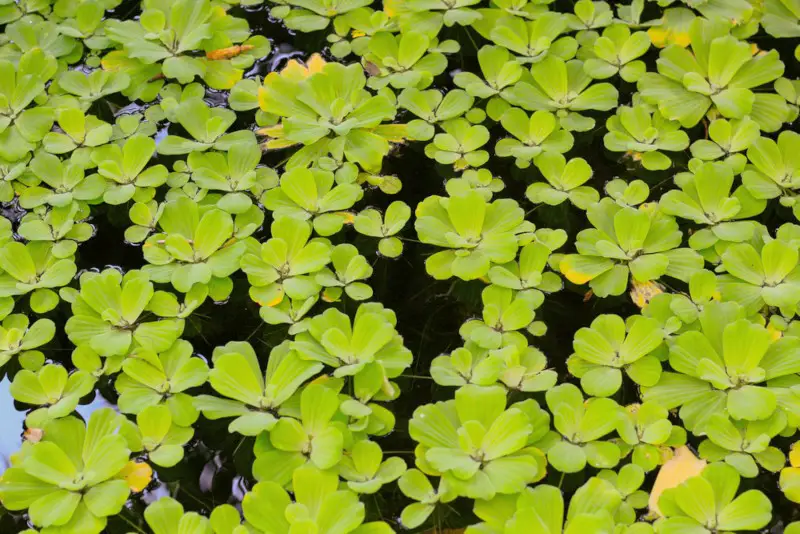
[(635, 162)]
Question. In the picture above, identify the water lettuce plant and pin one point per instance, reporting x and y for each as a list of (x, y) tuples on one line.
[(402, 60), (59, 183), (533, 40), (718, 73), (37, 268), (53, 389), (328, 112), (643, 243), (332, 339), (479, 233), (386, 226), (708, 502), (152, 379), (235, 173), (123, 166), (643, 135), (755, 279), (593, 508), (724, 367), (432, 107), (564, 181), (618, 51), (317, 503), (499, 70), (315, 438), (532, 136), (365, 470), (287, 263), (706, 198), (108, 314), (527, 273), (459, 145), (167, 515), (167, 34), (494, 454), (564, 88), (207, 126), (646, 433), (23, 127), (772, 167), (250, 395), (744, 445), (313, 194), (195, 245), (608, 348), (728, 139), (70, 479), (579, 427), (19, 337)]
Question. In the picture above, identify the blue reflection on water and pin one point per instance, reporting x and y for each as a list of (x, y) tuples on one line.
[(11, 421), (98, 402), (10, 425)]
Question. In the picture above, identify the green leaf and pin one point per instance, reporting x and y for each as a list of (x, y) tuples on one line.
[(751, 510), (108, 498), (566, 457), (485, 405), (751, 403), (55, 508), (50, 464)]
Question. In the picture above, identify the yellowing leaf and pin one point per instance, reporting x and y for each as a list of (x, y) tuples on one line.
[(277, 144), (33, 435), (681, 39), (642, 292), (391, 7), (271, 131), (574, 276), (394, 133), (663, 37), (321, 379), (137, 475), (794, 455), (683, 465), (295, 69), (790, 483), (228, 52), (774, 332), (276, 137), (315, 63), (673, 28), (635, 156), (277, 300)]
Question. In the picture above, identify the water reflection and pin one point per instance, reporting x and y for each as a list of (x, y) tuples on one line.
[(98, 402), (13, 420), (11, 435)]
